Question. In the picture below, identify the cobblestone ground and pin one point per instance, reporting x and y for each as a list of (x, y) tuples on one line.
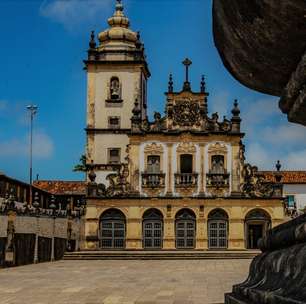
[(122, 282)]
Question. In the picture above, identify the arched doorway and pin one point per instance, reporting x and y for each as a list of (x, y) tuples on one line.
[(217, 229), (185, 229), (257, 222), (112, 229), (152, 228)]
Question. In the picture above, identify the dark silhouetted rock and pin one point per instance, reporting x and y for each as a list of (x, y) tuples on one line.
[(262, 44)]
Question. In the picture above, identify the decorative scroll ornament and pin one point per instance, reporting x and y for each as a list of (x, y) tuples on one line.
[(186, 147), (186, 113), (153, 148), (255, 184), (118, 184)]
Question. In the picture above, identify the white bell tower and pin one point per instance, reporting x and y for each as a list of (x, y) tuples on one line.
[(117, 74)]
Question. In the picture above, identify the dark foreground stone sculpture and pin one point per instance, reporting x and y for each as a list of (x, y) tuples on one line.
[(278, 275), (263, 45)]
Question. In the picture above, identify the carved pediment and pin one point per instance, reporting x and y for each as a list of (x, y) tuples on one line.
[(186, 147), (217, 148), (154, 148)]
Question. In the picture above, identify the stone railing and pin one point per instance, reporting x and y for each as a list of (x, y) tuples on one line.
[(186, 179), (217, 180), (277, 276), (153, 180)]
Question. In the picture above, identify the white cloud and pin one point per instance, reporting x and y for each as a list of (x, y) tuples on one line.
[(220, 103), (71, 13), (260, 110), (284, 134), (43, 146), (257, 155), (295, 160)]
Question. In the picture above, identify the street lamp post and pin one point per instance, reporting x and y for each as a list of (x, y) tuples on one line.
[(33, 110)]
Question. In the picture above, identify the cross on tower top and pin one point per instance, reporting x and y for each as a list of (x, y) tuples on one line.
[(187, 63)]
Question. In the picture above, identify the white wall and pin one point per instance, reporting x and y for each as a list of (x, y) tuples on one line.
[(299, 192)]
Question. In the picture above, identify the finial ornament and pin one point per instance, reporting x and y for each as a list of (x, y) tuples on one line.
[(170, 84), (278, 165), (236, 110), (203, 84), (187, 63), (119, 5), (92, 43)]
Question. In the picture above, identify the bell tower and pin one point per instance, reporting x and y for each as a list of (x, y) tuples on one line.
[(117, 74)]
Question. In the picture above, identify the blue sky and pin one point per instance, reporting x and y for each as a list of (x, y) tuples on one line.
[(44, 43)]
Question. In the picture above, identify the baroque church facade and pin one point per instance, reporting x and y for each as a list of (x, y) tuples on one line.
[(177, 182)]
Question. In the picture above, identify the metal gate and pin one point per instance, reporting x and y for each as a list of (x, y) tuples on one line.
[(185, 234), (217, 234), (112, 234), (152, 234)]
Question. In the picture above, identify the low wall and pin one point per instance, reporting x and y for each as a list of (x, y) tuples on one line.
[(277, 276), (25, 239)]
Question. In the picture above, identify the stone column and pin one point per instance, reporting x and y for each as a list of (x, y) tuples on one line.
[(202, 170), (236, 234), (201, 234), (170, 175), (36, 240), (9, 248), (53, 239), (134, 233), (169, 233), (235, 170), (134, 228)]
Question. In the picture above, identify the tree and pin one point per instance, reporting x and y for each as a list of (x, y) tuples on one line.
[(81, 167)]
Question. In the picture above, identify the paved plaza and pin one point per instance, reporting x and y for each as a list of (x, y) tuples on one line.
[(122, 282)]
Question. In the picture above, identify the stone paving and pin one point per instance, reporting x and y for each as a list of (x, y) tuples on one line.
[(122, 282)]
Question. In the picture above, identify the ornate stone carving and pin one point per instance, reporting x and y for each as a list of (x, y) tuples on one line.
[(186, 113), (186, 147), (217, 148), (254, 184), (153, 148), (118, 184)]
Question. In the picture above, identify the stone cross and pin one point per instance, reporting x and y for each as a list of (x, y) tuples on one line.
[(187, 62)]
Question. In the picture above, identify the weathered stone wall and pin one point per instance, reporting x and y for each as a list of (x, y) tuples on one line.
[(3, 225), (28, 238)]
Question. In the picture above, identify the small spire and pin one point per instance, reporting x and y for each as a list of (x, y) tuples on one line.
[(203, 84), (236, 110), (278, 165), (170, 84), (119, 6), (187, 63), (92, 42)]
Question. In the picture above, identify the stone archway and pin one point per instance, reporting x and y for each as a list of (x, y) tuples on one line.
[(152, 229), (217, 229), (112, 229), (257, 222), (185, 229)]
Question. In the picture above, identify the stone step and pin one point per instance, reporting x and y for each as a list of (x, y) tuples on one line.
[(159, 255)]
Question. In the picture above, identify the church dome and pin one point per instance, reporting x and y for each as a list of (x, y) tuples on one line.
[(119, 28)]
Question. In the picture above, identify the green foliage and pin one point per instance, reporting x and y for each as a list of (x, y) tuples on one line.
[(81, 167)]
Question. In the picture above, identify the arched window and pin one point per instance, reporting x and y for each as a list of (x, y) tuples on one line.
[(115, 90), (153, 164), (217, 164), (152, 229), (186, 163), (112, 229), (185, 229), (257, 222), (217, 229)]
